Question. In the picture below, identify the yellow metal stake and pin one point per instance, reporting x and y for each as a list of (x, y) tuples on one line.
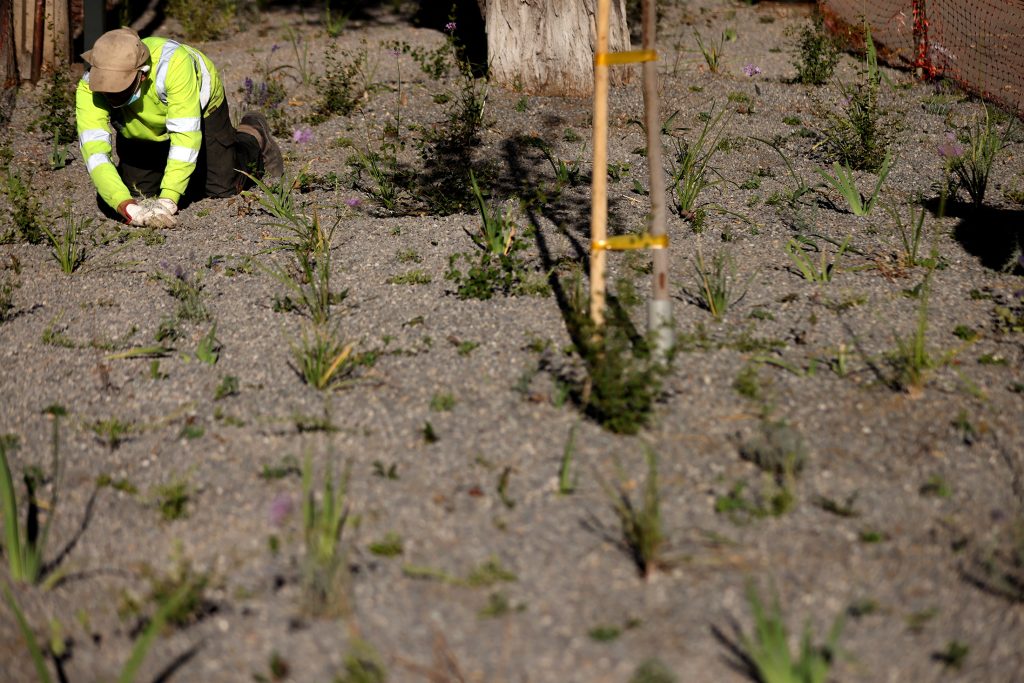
[(599, 178)]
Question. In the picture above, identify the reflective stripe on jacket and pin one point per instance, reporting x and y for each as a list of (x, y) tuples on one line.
[(181, 87)]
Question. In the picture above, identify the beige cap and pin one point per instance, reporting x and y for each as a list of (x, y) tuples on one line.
[(115, 59)]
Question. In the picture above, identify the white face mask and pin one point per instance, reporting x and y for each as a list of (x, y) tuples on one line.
[(137, 94)]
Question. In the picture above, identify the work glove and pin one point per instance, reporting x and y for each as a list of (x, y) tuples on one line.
[(161, 213), (152, 213)]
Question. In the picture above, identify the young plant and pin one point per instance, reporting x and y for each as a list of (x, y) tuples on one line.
[(823, 270), (323, 523), (312, 286), (321, 359), (691, 171), (767, 649), (981, 146), (202, 20), (139, 651), (845, 185), (715, 285), (712, 52), (498, 231), (209, 347), (383, 171), (67, 250), (857, 137), (27, 217), (24, 547), (816, 54), (188, 292), (910, 232), (642, 536), (911, 360)]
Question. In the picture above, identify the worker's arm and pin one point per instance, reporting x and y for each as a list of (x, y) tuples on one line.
[(94, 138), (184, 117)]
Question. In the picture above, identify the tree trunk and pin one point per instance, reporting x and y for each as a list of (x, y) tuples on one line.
[(8, 61), (546, 47)]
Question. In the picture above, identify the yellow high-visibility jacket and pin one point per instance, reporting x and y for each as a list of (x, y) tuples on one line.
[(181, 87)]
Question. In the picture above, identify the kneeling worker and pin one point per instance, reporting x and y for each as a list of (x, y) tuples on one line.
[(174, 134)]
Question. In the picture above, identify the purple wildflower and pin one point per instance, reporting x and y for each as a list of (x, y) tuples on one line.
[(353, 202), (751, 70), (951, 148), (303, 135), (450, 27), (280, 509), (274, 48)]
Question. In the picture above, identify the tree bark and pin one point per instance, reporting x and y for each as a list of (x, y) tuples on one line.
[(8, 61), (546, 47)]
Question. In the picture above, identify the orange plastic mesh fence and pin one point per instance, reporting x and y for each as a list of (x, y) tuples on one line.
[(978, 43)]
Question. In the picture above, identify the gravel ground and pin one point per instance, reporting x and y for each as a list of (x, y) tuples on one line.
[(930, 481)]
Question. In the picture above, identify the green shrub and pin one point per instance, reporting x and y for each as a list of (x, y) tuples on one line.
[(202, 20)]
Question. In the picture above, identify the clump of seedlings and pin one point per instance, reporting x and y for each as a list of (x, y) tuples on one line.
[(24, 545), (496, 268), (766, 655), (857, 136), (325, 565), (642, 536), (622, 375), (816, 54)]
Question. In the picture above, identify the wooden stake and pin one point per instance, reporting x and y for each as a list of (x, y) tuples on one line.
[(599, 175)]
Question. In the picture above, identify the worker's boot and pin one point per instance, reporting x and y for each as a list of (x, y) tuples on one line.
[(255, 124)]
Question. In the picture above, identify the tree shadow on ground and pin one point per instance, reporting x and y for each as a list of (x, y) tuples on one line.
[(995, 235)]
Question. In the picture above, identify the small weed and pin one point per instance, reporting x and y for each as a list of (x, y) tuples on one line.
[(953, 656), (767, 649), (112, 432), (936, 486), (712, 52), (27, 217), (385, 472), (871, 536), (362, 665), (288, 467), (228, 387), (823, 271), (413, 277), (138, 653), (321, 359), (428, 432), (24, 547), (172, 499), (467, 347), (974, 164), (209, 347), (844, 509), (604, 633), (325, 570), (748, 383), (66, 248), (653, 671), (342, 87), (858, 138), (204, 20), (498, 605), (640, 524), (442, 402), (691, 171), (490, 573), (57, 109), (716, 285), (842, 181), (911, 234), (388, 546), (816, 54), (188, 292), (911, 360)]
